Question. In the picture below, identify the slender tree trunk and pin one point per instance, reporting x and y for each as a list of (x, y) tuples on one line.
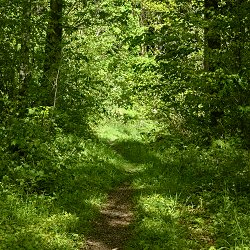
[(53, 53), (25, 66)]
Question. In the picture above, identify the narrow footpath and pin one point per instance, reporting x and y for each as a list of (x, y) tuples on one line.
[(112, 231)]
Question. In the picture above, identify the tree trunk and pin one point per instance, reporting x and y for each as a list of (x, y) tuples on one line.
[(53, 53), (24, 69)]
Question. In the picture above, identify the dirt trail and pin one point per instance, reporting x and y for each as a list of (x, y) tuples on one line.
[(111, 230)]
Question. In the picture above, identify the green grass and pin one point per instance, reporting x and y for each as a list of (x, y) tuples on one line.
[(186, 197), (54, 209), (193, 199)]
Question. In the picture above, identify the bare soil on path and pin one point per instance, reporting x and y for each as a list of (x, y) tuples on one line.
[(112, 229)]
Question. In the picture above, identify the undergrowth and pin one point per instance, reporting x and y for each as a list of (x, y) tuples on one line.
[(53, 185), (189, 197)]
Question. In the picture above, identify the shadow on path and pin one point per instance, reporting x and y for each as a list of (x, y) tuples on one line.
[(135, 152)]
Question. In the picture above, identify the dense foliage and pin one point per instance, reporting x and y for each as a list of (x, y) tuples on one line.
[(86, 85)]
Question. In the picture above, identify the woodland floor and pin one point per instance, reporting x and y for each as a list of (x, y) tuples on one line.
[(112, 229), (129, 189)]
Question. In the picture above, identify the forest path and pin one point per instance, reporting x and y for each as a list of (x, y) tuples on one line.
[(112, 229)]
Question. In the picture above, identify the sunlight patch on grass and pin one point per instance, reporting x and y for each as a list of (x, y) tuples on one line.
[(133, 168), (158, 224), (59, 222), (125, 124), (34, 224), (157, 204), (97, 201)]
